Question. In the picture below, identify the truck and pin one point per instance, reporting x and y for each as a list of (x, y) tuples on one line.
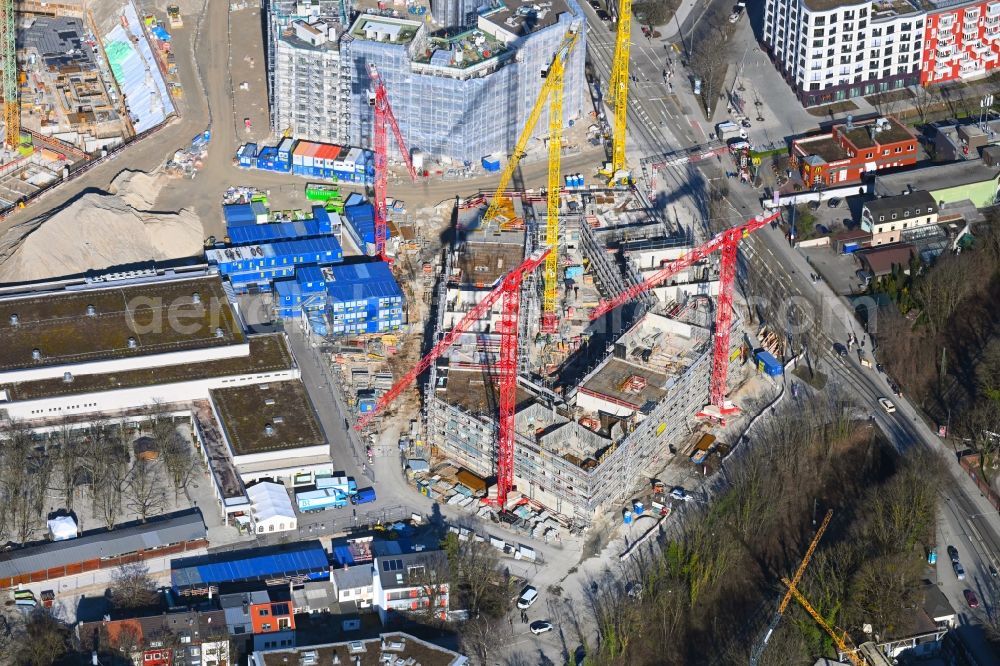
[(321, 499), (364, 496), (344, 484), (729, 130)]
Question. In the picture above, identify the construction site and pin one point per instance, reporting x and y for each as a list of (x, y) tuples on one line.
[(78, 82)]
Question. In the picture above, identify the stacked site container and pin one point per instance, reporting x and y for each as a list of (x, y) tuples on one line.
[(243, 232), (361, 226), (306, 292), (256, 267), (364, 298)]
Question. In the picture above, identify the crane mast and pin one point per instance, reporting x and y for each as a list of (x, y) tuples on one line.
[(838, 640), (383, 117), (796, 579), (727, 243), (508, 289), (618, 90), (8, 67)]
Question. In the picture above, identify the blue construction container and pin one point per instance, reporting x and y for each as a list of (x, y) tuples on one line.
[(238, 215), (275, 231), (767, 363), (323, 220), (247, 155), (364, 298), (360, 226), (491, 163), (307, 559), (285, 148), (268, 160)]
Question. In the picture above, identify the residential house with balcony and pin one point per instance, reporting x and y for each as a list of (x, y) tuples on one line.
[(411, 583), (261, 619), (961, 41)]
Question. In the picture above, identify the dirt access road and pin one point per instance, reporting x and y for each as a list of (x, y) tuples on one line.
[(203, 53)]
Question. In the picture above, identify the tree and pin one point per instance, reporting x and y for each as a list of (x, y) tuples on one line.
[(106, 457), (132, 586), (144, 491), (68, 457), (46, 640), (178, 459)]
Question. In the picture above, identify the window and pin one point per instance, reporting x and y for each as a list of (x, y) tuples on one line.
[(266, 626), (899, 149), (881, 218), (263, 612)]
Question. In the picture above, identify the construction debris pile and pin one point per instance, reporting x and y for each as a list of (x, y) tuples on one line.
[(187, 161)]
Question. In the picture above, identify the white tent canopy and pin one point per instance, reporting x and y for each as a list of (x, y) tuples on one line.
[(271, 508), (62, 528)]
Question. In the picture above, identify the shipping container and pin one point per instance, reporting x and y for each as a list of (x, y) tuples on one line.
[(491, 163), (238, 215), (767, 364)]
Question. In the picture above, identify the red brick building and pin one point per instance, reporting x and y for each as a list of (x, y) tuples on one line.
[(961, 42), (847, 153)]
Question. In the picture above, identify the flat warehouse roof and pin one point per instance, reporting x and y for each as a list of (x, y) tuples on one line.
[(247, 411), (268, 353), (161, 316)]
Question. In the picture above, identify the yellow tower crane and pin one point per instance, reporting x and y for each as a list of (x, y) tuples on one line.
[(501, 207), (840, 640), (618, 92), (762, 645), (8, 71)]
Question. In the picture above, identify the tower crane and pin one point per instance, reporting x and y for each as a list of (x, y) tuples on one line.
[(727, 243), (379, 100), (839, 640), (552, 93), (508, 291), (8, 67), (618, 90), (796, 579)]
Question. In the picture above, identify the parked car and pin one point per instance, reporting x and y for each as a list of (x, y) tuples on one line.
[(540, 626), (529, 595), (595, 4), (894, 387), (840, 349), (834, 202), (864, 276), (813, 205), (953, 554), (887, 405), (959, 570), (603, 15), (880, 367), (971, 599)]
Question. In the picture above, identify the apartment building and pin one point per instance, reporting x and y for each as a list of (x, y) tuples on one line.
[(889, 219), (312, 83), (961, 42), (830, 50)]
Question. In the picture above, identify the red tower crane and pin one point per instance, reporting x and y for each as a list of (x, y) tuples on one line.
[(379, 100), (726, 242), (509, 290)]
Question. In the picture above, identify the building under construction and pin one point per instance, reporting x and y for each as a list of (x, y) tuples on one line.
[(461, 80), (600, 404)]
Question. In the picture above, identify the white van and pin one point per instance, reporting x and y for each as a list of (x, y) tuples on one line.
[(528, 596)]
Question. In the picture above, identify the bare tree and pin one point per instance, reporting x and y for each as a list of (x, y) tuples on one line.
[(46, 640), (144, 490), (107, 459), (132, 586), (178, 459), (68, 456)]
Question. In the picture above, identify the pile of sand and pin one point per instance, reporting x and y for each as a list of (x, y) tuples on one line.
[(99, 231)]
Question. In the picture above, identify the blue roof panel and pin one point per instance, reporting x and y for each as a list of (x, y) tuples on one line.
[(250, 564)]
